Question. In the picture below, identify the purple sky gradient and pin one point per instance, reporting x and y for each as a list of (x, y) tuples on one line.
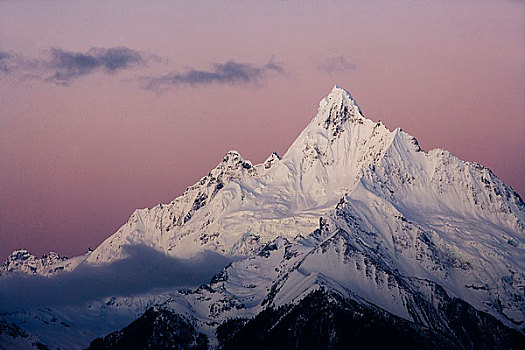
[(76, 160)]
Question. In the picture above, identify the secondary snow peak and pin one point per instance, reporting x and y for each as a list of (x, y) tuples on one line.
[(232, 164), (271, 160)]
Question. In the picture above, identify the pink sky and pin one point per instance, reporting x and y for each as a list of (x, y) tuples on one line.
[(76, 160)]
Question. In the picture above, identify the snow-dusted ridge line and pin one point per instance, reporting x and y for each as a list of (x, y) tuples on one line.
[(22, 262), (328, 159)]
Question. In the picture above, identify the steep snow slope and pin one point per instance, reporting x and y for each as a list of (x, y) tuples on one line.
[(461, 237)]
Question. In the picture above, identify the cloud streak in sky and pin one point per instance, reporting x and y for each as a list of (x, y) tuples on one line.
[(336, 64), (71, 65), (5, 62), (231, 73), (62, 67)]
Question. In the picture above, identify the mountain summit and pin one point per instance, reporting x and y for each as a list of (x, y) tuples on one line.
[(420, 246), (238, 206)]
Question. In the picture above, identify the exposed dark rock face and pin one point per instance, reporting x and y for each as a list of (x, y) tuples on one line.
[(327, 321), (155, 329)]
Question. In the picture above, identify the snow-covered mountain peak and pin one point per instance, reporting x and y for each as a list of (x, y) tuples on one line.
[(352, 208), (337, 94), (271, 160), (233, 164), (327, 158), (337, 108), (239, 206), (21, 261), (339, 125)]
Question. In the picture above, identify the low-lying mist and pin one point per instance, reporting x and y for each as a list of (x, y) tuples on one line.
[(143, 270)]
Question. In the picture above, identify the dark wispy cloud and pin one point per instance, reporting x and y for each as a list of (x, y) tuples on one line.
[(5, 62), (71, 65), (336, 64), (230, 72), (143, 270), (62, 67)]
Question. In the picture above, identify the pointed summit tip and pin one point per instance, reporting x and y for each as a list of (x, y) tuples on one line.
[(337, 96), (336, 108), (339, 90)]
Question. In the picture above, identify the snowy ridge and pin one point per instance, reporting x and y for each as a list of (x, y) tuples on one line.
[(22, 262), (352, 208), (158, 226), (238, 207)]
